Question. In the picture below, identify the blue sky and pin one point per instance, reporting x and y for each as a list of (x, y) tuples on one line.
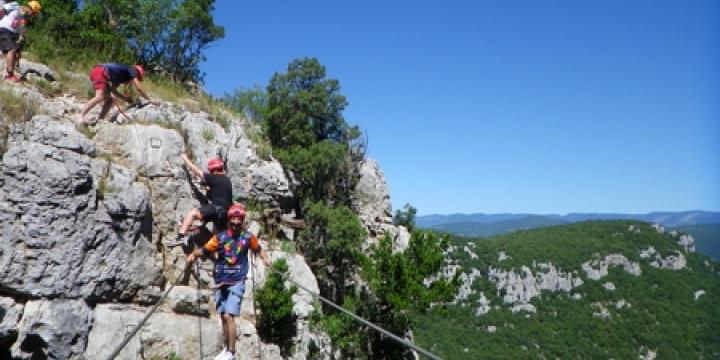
[(533, 106)]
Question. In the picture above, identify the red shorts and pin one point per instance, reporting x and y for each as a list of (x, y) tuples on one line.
[(99, 78)]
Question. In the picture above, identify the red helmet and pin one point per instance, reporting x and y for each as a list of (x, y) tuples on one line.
[(140, 72), (215, 164), (236, 211)]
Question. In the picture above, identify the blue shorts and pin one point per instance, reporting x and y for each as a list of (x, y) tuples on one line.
[(228, 299)]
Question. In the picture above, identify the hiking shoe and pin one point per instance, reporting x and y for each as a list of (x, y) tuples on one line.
[(224, 355), (221, 355), (13, 78)]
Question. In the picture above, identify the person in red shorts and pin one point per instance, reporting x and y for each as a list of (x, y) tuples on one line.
[(106, 78)]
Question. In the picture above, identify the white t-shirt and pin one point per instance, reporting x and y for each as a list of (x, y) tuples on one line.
[(13, 20)]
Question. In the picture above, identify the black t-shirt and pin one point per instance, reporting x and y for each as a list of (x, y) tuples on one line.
[(220, 192)]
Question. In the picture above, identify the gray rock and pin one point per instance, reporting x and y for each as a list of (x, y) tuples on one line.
[(686, 241), (670, 262), (188, 300), (10, 313), (163, 335), (521, 288), (372, 198), (59, 240), (56, 329), (152, 151), (597, 268), (484, 307)]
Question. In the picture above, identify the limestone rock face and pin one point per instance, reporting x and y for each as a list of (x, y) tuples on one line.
[(53, 329), (10, 313), (684, 240), (520, 288), (371, 200), (670, 262), (58, 238), (164, 333), (598, 268)]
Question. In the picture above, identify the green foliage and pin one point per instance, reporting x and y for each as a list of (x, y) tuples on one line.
[(252, 102), (343, 331), (660, 311), (304, 107), (316, 166), (304, 123), (276, 322), (398, 290), (167, 36), (332, 240), (405, 217)]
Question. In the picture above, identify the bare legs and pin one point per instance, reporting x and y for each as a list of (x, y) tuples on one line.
[(229, 331), (193, 215), (100, 95), (10, 62)]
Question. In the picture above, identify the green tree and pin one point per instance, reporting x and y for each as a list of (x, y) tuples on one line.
[(192, 31), (399, 287), (332, 241), (251, 102), (65, 29), (343, 330), (276, 322), (168, 36), (309, 135), (405, 217)]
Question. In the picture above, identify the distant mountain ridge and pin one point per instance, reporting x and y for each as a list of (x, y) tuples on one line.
[(666, 218), (704, 226)]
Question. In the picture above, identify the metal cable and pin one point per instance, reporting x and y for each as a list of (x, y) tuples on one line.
[(254, 268), (145, 318), (366, 322), (197, 296)]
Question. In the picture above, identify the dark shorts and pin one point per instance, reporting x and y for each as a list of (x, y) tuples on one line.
[(99, 78), (8, 40), (213, 213)]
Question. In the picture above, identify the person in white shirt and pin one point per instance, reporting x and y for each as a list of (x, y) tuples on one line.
[(12, 28)]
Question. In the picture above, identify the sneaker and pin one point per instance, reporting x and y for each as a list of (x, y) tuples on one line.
[(223, 355), (13, 78)]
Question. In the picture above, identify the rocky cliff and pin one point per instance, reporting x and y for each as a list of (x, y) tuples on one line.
[(89, 218)]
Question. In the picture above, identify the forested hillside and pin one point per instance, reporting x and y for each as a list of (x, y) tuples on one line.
[(600, 289)]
